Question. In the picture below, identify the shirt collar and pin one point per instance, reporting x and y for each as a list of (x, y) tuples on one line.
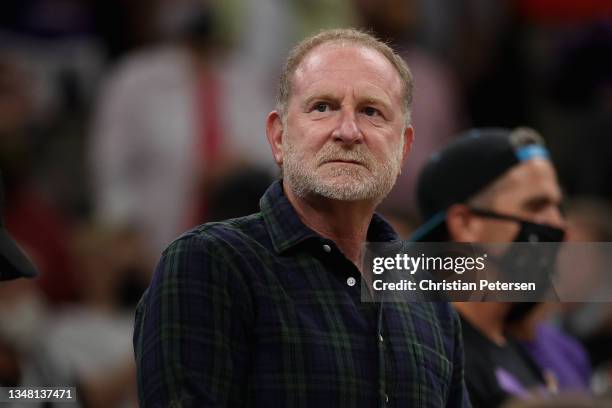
[(287, 230)]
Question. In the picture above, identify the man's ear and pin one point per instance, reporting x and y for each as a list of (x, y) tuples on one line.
[(460, 223), (274, 132), (408, 139)]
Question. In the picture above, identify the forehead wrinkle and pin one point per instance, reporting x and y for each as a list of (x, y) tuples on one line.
[(324, 73), (368, 93), (317, 62)]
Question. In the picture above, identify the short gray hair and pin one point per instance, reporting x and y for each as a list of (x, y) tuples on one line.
[(343, 35)]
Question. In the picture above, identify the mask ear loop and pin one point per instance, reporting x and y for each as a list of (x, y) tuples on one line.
[(491, 214)]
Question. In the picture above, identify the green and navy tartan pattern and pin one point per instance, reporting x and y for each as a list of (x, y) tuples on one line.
[(257, 312)]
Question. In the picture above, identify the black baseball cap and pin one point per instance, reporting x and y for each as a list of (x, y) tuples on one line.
[(462, 169), (13, 262)]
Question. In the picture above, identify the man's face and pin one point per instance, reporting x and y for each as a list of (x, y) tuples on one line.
[(344, 135), (530, 191)]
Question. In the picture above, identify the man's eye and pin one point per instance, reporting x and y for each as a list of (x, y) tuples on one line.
[(370, 111), (321, 107)]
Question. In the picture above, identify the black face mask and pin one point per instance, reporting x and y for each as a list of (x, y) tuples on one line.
[(530, 231), (535, 263)]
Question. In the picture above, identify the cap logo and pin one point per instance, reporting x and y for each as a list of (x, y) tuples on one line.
[(531, 152)]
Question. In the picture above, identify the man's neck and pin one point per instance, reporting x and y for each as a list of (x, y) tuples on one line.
[(487, 317), (345, 223)]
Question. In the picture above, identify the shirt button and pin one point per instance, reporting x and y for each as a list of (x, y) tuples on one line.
[(327, 248), (351, 281)]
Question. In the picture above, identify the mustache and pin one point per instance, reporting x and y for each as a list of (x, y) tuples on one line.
[(333, 153)]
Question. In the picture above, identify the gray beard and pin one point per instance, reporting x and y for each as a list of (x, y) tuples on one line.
[(340, 182)]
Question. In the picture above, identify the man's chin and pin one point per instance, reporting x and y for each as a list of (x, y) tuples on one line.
[(343, 187), (345, 190), (345, 171)]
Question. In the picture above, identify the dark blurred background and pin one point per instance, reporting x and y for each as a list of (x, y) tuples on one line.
[(125, 122)]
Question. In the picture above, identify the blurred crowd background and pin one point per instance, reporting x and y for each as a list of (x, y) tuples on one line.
[(125, 122)]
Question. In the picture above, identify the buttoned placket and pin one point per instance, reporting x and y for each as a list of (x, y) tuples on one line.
[(352, 281), (382, 360)]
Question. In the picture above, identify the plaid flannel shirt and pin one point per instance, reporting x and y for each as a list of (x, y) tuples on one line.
[(257, 312)]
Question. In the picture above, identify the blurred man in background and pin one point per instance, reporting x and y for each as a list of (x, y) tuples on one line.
[(497, 185), (162, 105)]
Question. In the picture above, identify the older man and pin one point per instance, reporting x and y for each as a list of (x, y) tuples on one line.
[(266, 310)]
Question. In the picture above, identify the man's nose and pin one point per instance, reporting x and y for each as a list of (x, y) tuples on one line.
[(554, 217), (347, 131)]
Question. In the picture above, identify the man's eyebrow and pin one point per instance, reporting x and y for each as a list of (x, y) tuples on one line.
[(326, 96), (319, 96), (375, 100), (541, 200)]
